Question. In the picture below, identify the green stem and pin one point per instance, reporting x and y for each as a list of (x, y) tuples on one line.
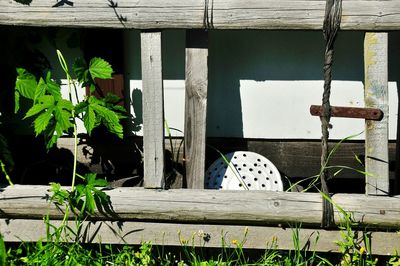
[(75, 155), (3, 169)]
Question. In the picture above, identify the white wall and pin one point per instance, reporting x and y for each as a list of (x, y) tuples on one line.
[(262, 83)]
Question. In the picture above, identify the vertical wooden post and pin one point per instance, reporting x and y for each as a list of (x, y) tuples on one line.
[(196, 106), (376, 96), (153, 110)]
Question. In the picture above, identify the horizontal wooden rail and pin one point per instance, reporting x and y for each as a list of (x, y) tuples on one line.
[(211, 206), (200, 235), (221, 14)]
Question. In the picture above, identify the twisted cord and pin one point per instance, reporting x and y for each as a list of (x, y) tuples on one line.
[(207, 20), (333, 13)]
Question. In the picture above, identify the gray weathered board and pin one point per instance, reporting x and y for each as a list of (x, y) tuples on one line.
[(200, 235), (222, 14), (376, 96), (196, 83), (211, 207), (153, 109), (295, 158)]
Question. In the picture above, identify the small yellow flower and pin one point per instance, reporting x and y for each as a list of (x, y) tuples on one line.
[(137, 254), (274, 239), (234, 242), (184, 241), (362, 250), (376, 260)]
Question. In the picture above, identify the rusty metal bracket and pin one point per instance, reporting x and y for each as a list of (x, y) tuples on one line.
[(349, 112)]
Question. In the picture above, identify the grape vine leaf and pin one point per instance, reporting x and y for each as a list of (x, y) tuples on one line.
[(96, 113), (54, 116), (99, 68), (25, 85)]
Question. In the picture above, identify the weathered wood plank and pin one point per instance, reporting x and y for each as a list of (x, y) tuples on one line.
[(153, 110), (376, 96), (199, 235), (223, 14), (295, 158), (196, 83), (210, 206)]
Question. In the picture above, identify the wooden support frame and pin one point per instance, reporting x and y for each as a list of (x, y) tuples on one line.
[(169, 218), (376, 96), (153, 110), (196, 83), (189, 14), (23, 207), (240, 207), (198, 235)]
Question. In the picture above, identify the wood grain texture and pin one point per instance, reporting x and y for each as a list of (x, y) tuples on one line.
[(376, 96), (211, 207), (295, 158), (199, 235), (153, 110), (196, 84), (222, 14)]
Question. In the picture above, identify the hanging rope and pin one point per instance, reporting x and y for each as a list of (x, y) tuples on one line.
[(207, 20), (333, 13)]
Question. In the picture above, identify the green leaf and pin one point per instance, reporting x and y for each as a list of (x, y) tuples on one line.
[(94, 100), (89, 120), (92, 181), (110, 119), (63, 120), (112, 98), (81, 70), (59, 195), (25, 83), (90, 203), (42, 121), (90, 178), (65, 104), (40, 89), (99, 68), (119, 108), (44, 102), (51, 141), (3, 252), (100, 183), (16, 101), (92, 88), (81, 107), (53, 87)]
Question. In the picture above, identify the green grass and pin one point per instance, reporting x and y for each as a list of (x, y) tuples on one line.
[(57, 252)]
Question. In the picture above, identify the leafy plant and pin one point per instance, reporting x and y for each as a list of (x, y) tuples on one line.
[(55, 116), (85, 199)]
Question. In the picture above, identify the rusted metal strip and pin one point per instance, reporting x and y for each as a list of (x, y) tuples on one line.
[(349, 112)]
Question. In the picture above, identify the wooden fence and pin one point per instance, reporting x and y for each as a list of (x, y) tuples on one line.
[(200, 210)]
